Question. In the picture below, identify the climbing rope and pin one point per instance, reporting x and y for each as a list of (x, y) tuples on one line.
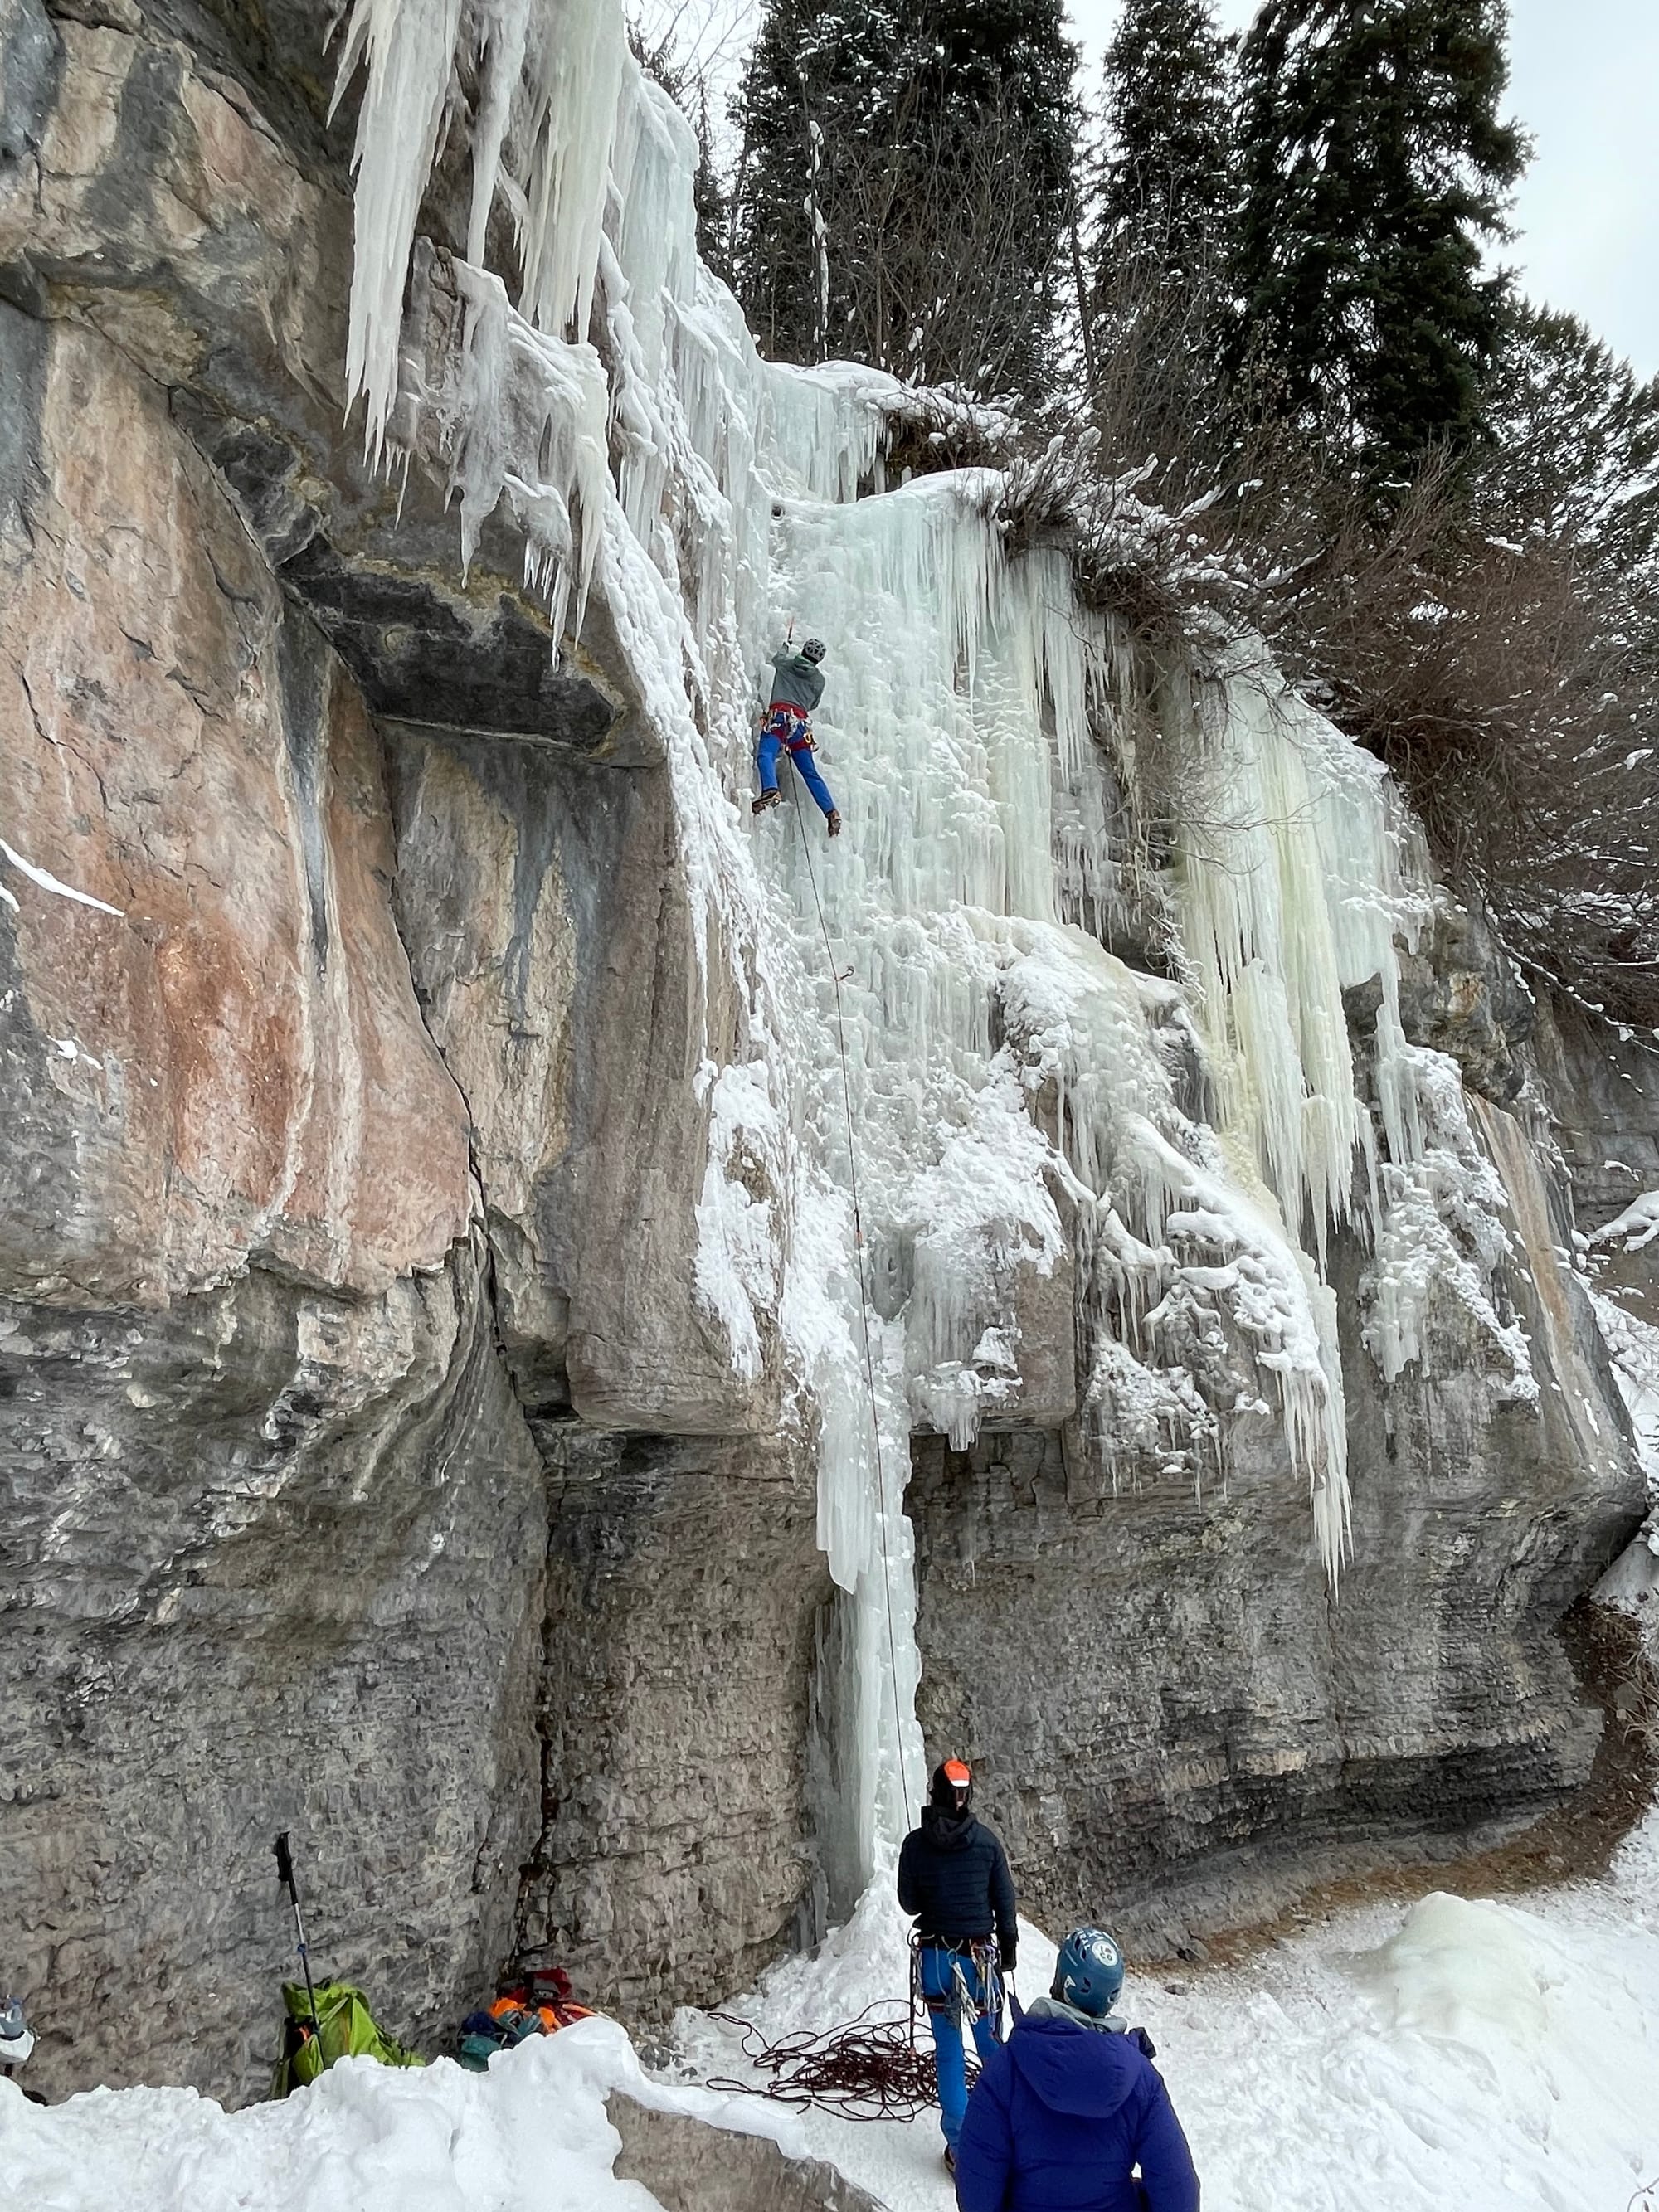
[(864, 1294), (872, 2070)]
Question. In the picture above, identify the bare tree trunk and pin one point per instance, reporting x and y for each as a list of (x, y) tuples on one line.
[(1085, 319)]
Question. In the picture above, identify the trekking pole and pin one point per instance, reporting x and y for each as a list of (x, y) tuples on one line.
[(285, 1878)]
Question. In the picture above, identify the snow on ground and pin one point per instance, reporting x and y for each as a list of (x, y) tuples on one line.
[(1450, 2056), (530, 2135), (1638, 1224), (1633, 1346)]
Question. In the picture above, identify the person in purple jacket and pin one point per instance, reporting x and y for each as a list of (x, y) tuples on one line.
[(1066, 2110)]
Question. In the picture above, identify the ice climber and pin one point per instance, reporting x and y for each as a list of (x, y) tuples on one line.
[(797, 687), (953, 1875), (1065, 2111)]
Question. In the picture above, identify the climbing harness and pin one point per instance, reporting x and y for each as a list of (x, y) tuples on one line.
[(864, 1296), (980, 1998), (792, 725)]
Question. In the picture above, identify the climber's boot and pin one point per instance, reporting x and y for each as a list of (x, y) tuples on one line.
[(832, 822), (766, 799)]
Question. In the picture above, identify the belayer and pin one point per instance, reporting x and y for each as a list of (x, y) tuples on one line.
[(953, 1876), (1065, 2112), (797, 687)]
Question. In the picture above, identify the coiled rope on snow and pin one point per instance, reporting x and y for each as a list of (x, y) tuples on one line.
[(870, 2070)]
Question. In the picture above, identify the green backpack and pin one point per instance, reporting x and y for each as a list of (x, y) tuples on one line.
[(346, 2029)]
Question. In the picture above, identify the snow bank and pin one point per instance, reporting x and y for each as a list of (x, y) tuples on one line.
[(1638, 1224), (364, 2138), (1633, 1347)]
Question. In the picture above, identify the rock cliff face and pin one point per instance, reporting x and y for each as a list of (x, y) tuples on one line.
[(1182, 1722), (347, 1177), (372, 1466), (1603, 1090)]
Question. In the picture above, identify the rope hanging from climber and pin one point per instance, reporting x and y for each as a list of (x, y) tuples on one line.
[(811, 654)]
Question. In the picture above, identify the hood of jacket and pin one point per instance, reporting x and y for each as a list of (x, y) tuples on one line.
[(1074, 2070), (948, 1832)]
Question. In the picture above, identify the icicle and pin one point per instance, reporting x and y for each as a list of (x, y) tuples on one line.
[(575, 60), (410, 47), (506, 26)]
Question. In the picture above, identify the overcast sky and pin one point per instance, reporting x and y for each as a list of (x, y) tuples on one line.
[(1584, 75), (1584, 80)]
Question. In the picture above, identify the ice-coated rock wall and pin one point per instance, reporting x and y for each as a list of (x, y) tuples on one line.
[(488, 1226)]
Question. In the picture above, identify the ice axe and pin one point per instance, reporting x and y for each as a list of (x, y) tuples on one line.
[(285, 1878)]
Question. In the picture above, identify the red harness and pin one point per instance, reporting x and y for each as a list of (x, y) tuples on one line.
[(789, 723)]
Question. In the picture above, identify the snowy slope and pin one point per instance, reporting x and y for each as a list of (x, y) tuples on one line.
[(365, 2138)]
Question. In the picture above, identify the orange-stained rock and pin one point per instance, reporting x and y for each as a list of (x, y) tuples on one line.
[(238, 1064)]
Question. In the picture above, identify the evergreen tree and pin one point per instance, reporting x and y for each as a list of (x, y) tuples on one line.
[(822, 63), (1158, 310), (1574, 445), (708, 197), (1166, 184), (1376, 171), (914, 164)]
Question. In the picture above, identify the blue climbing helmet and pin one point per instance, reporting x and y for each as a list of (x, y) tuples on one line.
[(1089, 1971), (814, 649)]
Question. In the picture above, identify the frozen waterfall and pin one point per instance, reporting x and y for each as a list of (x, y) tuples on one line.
[(1019, 1097)]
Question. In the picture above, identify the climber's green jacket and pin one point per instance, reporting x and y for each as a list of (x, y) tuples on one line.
[(346, 2028)]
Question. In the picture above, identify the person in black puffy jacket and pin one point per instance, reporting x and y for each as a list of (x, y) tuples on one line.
[(953, 1876)]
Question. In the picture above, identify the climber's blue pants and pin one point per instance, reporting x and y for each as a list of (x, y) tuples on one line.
[(943, 2000), (766, 759)]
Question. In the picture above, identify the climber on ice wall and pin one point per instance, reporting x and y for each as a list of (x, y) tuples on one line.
[(1063, 2114), (953, 1875), (797, 687)]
